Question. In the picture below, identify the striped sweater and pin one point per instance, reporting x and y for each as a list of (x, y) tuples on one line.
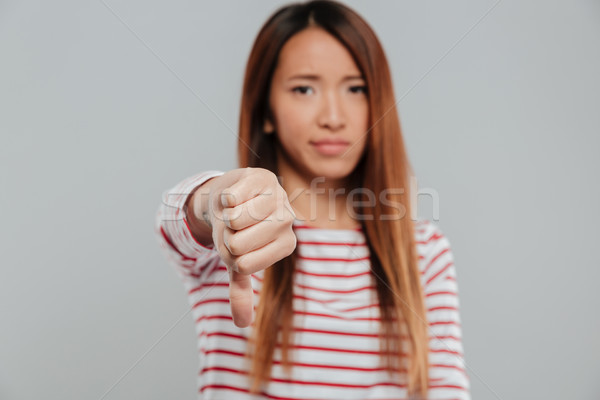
[(336, 315)]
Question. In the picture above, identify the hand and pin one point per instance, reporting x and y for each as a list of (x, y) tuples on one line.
[(252, 221)]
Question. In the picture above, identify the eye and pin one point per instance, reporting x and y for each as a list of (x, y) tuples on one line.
[(358, 89), (301, 89)]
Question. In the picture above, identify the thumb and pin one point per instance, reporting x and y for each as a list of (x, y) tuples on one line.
[(241, 298)]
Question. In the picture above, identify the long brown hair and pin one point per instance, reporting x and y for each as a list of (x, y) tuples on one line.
[(384, 164)]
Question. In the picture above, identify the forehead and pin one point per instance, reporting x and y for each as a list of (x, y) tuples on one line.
[(314, 50)]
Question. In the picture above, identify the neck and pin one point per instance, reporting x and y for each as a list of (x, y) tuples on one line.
[(318, 201)]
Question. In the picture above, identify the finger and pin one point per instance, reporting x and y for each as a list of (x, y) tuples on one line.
[(240, 192), (254, 237), (241, 298), (267, 255), (250, 212)]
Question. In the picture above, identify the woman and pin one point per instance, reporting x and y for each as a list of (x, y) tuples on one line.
[(307, 276)]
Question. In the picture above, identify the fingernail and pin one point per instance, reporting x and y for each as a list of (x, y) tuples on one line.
[(225, 219), (224, 200)]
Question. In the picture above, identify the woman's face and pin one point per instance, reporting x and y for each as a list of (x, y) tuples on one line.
[(317, 94)]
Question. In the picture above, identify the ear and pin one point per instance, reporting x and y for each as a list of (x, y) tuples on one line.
[(268, 126)]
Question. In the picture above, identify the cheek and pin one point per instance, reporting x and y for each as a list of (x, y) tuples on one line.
[(294, 119), (360, 119), (361, 111)]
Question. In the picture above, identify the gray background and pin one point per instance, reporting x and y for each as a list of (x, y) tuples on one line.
[(100, 111)]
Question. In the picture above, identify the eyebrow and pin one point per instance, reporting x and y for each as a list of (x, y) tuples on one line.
[(313, 77)]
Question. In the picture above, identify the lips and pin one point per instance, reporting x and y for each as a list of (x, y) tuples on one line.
[(330, 147), (330, 141)]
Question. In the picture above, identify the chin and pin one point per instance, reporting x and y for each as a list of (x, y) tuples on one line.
[(333, 169)]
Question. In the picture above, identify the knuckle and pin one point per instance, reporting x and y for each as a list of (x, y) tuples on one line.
[(235, 245), (234, 218), (225, 254), (248, 171), (270, 177), (234, 264), (223, 251), (224, 218), (241, 263), (279, 201), (281, 194), (266, 172), (233, 223), (285, 218), (289, 218), (292, 242), (227, 192)]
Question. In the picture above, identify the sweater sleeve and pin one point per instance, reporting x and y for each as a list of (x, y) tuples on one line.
[(448, 375), (189, 258)]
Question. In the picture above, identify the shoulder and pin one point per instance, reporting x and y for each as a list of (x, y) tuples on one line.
[(428, 235), (435, 251)]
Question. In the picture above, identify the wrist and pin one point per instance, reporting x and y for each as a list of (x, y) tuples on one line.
[(198, 213)]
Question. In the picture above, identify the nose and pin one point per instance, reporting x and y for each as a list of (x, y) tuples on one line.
[(332, 114)]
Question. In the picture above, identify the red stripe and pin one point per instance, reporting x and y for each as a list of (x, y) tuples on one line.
[(297, 226), (330, 243), (361, 307), (312, 314), (328, 384), (444, 323), (452, 308), (192, 236), (303, 347), (334, 349), (221, 333), (439, 272), (230, 318), (342, 367), (327, 332), (435, 258), (440, 293), (168, 240), (447, 387), (455, 353), (431, 309), (226, 284), (301, 271), (434, 236), (334, 259), (311, 383), (324, 275), (216, 316), (443, 337), (262, 393), (316, 348), (225, 300), (295, 364), (456, 367), (298, 297), (327, 301), (244, 390), (337, 291), (208, 284)]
